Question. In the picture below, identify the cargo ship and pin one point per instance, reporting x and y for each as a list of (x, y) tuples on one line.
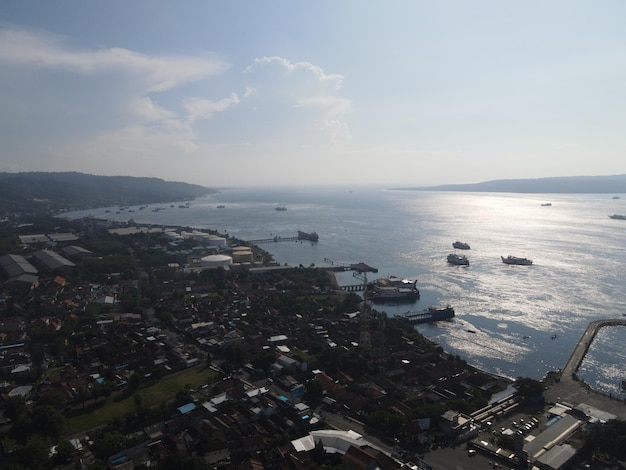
[(431, 314)]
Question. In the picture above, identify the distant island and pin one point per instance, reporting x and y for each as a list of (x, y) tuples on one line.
[(559, 184), (49, 192)]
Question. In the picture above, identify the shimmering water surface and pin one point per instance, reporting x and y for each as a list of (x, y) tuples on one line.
[(506, 316)]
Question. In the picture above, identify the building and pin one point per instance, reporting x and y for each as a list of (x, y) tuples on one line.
[(52, 262)]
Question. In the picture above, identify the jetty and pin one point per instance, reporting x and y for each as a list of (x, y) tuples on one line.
[(569, 389), (312, 237), (578, 354), (358, 267)]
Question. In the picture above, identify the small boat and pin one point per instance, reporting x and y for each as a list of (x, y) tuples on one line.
[(281, 208), (546, 204), (221, 206), (615, 197), (516, 260), (460, 260), (617, 216), (460, 245)]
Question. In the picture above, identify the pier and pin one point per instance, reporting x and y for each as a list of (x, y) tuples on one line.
[(583, 344), (568, 389), (302, 236), (358, 267)]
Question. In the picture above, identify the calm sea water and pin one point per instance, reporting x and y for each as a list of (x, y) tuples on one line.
[(506, 316)]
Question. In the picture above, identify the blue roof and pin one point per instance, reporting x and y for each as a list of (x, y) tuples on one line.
[(187, 408)]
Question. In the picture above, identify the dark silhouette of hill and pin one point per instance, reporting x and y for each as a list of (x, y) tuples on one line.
[(42, 192), (561, 184)]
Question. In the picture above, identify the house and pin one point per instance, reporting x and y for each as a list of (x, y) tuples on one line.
[(458, 426)]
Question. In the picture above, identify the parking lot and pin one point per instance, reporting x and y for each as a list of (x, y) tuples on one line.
[(487, 453)]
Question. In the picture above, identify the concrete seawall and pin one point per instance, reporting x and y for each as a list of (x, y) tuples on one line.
[(572, 391), (578, 354)]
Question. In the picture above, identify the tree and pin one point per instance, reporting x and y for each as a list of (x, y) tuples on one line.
[(47, 420), (528, 389), (65, 452), (35, 453)]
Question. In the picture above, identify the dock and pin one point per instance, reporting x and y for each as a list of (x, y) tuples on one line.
[(358, 267), (302, 236), (569, 389), (578, 354)]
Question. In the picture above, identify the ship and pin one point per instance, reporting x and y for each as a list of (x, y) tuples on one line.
[(460, 245), (393, 289), (431, 314), (313, 236), (617, 216), (461, 260), (546, 204), (516, 260)]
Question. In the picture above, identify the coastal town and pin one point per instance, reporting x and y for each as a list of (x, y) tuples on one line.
[(133, 346)]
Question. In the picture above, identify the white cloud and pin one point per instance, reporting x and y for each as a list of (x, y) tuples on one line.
[(147, 110), (280, 84), (158, 72), (200, 108), (334, 80)]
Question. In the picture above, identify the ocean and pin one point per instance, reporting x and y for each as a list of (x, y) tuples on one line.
[(514, 321)]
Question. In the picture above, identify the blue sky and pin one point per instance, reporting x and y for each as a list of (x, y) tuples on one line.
[(326, 92)]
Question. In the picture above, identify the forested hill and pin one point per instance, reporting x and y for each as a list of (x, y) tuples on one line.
[(565, 184), (39, 192)]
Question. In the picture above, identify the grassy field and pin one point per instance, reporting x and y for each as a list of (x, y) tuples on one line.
[(118, 406)]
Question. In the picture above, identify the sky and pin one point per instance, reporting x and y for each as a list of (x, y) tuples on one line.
[(255, 93)]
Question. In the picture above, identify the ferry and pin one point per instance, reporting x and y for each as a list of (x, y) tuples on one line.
[(431, 314), (460, 260), (393, 289), (516, 260)]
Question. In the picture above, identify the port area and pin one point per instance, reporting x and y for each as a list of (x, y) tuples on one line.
[(567, 388), (357, 267), (301, 236)]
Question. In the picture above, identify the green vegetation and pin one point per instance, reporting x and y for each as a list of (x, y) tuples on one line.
[(163, 391), (45, 193)]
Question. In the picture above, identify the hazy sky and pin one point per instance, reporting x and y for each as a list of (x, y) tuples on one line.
[(258, 92)]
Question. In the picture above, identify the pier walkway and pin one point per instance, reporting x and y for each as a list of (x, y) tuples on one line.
[(571, 391), (583, 344)]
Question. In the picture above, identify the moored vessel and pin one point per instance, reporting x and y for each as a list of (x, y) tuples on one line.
[(516, 260), (313, 236), (393, 289), (431, 314)]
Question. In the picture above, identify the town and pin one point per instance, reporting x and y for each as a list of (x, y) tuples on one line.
[(128, 346)]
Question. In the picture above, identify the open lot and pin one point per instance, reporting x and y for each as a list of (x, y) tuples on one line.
[(117, 406)]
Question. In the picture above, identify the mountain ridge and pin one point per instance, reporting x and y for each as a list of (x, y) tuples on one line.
[(555, 184), (49, 192)]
